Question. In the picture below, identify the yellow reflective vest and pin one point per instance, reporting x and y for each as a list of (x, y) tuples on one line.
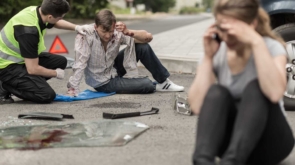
[(9, 47)]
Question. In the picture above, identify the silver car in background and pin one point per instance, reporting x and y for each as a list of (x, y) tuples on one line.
[(282, 15)]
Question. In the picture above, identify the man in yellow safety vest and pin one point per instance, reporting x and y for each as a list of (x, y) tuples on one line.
[(24, 67)]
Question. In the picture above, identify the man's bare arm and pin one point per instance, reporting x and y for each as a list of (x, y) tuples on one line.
[(34, 68), (140, 36), (63, 24)]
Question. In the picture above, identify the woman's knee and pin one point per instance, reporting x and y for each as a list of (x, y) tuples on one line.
[(253, 90), (253, 86), (217, 92)]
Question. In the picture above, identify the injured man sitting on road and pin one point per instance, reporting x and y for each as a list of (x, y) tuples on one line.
[(108, 70)]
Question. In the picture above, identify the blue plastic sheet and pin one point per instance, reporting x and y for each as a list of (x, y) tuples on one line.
[(85, 95)]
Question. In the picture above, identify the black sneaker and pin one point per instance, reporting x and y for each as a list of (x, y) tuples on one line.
[(5, 97)]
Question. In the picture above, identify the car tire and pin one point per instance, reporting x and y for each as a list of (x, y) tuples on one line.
[(289, 104), (287, 32)]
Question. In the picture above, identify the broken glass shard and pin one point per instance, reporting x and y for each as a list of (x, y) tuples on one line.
[(89, 134), (181, 105)]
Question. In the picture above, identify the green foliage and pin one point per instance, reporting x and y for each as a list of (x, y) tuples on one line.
[(157, 5), (79, 8), (208, 4), (9, 8), (85, 8), (190, 10), (197, 5), (117, 10)]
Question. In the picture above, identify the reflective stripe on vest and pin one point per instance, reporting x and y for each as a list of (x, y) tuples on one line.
[(8, 43), (10, 58)]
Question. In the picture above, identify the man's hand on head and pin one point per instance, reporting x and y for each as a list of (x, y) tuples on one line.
[(121, 27)]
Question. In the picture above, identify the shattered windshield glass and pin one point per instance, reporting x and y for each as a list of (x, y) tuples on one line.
[(88, 134)]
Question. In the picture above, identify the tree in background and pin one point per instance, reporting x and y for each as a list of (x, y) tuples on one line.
[(85, 8), (157, 5), (9, 8), (208, 4), (79, 8)]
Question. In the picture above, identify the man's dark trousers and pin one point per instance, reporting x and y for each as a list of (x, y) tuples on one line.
[(16, 80), (148, 58)]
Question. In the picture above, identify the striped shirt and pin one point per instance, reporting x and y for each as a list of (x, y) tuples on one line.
[(97, 64)]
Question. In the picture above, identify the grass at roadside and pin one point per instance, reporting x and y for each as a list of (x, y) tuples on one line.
[(118, 10), (190, 10)]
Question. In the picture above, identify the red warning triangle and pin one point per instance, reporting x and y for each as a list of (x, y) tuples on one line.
[(58, 47)]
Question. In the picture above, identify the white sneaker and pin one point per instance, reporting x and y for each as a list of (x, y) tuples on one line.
[(169, 86)]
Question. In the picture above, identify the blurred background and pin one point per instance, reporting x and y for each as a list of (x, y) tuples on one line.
[(86, 9)]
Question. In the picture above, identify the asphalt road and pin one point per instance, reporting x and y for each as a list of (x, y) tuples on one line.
[(156, 26), (169, 141)]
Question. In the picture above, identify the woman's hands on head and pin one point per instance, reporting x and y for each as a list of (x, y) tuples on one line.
[(235, 29)]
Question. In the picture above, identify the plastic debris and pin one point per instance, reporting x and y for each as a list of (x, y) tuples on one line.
[(181, 105)]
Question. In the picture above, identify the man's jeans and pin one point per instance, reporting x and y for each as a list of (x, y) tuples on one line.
[(147, 57)]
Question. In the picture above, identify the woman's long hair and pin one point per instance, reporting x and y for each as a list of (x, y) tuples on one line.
[(247, 11)]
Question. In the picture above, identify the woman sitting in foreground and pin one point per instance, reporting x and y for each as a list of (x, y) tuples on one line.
[(241, 117)]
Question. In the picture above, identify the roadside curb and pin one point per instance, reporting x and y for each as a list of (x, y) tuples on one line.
[(181, 53)]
